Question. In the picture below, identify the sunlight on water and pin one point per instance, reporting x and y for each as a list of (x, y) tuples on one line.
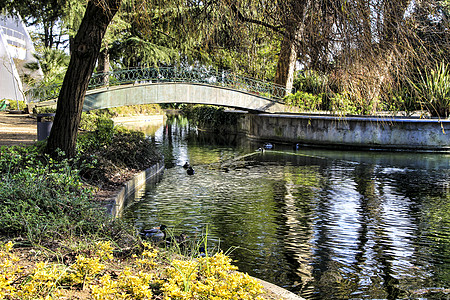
[(324, 224)]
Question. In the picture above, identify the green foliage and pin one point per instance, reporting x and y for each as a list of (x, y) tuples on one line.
[(338, 103), (51, 109), (132, 110), (317, 92), (312, 82), (13, 105), (304, 101), (42, 197), (53, 63), (115, 147), (131, 149), (210, 117), (100, 136), (434, 90), (90, 120), (343, 103)]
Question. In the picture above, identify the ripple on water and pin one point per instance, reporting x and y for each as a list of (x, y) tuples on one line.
[(363, 227)]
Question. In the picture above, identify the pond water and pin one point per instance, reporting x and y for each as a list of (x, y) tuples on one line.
[(323, 224)]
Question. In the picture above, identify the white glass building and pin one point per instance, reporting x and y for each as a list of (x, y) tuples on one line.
[(16, 49)]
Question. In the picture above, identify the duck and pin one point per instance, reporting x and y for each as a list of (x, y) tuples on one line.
[(156, 233), (268, 146), (201, 252), (190, 171), (186, 165)]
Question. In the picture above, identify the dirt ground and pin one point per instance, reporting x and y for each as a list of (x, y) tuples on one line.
[(16, 129)]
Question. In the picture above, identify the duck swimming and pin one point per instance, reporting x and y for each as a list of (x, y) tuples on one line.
[(268, 146), (186, 165), (155, 234), (190, 171)]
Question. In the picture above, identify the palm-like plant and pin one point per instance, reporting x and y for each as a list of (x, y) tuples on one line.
[(53, 63), (434, 90)]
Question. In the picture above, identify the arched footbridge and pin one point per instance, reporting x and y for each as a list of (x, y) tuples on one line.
[(176, 85)]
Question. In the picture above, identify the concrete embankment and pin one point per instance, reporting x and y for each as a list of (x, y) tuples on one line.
[(118, 202), (374, 133)]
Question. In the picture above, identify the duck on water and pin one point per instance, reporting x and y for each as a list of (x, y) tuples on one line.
[(159, 234), (155, 234), (189, 169)]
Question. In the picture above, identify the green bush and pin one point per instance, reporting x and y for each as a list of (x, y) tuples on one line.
[(109, 147), (132, 110), (304, 101), (90, 119), (51, 109), (13, 105), (343, 103), (311, 81), (210, 117), (42, 197), (100, 134)]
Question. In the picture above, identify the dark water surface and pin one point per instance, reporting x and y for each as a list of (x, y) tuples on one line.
[(323, 224)]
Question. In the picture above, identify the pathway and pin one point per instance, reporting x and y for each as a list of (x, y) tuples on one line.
[(16, 129)]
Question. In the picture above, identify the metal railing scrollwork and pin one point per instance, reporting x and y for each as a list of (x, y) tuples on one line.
[(172, 74)]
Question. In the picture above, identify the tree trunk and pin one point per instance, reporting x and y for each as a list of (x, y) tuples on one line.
[(287, 59), (103, 65), (85, 53), (294, 24)]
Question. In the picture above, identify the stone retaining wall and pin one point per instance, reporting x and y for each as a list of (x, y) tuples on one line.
[(119, 201), (388, 133)]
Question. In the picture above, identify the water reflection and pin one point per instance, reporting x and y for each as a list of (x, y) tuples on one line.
[(324, 224)]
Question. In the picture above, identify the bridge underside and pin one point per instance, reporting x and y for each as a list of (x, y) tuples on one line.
[(173, 92)]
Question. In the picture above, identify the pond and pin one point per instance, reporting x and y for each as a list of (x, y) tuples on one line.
[(323, 224)]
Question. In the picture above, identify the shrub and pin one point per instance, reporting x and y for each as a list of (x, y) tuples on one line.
[(206, 278), (51, 109), (434, 90), (305, 101), (343, 103), (209, 278), (108, 150), (16, 105), (311, 81), (42, 197), (210, 117)]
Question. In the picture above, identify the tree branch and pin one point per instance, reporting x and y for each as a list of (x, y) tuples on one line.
[(243, 18)]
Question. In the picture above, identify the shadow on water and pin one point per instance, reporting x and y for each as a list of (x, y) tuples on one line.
[(324, 224)]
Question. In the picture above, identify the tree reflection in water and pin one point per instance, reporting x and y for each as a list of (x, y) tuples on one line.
[(324, 224)]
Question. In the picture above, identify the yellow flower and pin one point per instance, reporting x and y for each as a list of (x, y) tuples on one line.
[(211, 278), (104, 250), (85, 269)]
